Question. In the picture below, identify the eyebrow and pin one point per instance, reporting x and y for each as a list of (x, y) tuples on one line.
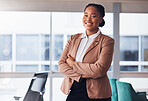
[(87, 13)]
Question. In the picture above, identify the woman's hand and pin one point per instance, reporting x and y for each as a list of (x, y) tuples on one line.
[(70, 60), (86, 77)]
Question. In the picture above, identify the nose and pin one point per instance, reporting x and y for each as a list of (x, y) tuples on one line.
[(88, 18)]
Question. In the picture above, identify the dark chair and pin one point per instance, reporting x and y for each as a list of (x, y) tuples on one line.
[(36, 89)]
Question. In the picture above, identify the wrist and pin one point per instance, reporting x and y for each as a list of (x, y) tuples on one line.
[(73, 63)]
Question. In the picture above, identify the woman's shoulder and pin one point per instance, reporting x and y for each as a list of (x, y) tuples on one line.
[(76, 35), (106, 37)]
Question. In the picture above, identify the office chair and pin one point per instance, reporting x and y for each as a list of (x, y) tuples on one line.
[(127, 93), (114, 89), (36, 89)]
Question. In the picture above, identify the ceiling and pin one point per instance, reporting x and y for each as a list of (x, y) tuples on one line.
[(127, 6)]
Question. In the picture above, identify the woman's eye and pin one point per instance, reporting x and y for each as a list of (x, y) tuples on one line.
[(93, 16), (86, 15)]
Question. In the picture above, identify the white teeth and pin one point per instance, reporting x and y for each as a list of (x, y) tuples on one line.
[(89, 23)]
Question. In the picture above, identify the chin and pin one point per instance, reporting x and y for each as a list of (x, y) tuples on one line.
[(91, 29), (88, 28)]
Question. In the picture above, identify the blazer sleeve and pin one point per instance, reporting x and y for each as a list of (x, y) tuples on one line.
[(64, 68), (101, 66)]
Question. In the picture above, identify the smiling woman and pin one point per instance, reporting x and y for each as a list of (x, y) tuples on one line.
[(86, 59)]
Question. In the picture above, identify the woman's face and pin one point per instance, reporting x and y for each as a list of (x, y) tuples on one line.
[(91, 19)]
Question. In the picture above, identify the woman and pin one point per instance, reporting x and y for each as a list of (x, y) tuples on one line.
[(86, 60)]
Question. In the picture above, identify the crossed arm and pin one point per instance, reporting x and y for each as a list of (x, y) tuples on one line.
[(75, 70), (70, 61)]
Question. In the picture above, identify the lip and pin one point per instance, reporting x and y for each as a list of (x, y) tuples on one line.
[(88, 24)]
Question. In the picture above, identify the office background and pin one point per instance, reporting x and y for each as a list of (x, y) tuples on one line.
[(33, 35)]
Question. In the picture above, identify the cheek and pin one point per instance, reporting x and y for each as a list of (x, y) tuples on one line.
[(83, 19), (97, 22), (100, 20)]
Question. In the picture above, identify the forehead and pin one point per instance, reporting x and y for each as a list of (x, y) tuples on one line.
[(91, 9)]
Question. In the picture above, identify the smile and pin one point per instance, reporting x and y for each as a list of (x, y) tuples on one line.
[(89, 23)]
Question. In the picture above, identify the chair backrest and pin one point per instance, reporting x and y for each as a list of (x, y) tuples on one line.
[(127, 93), (37, 87), (124, 91), (114, 89)]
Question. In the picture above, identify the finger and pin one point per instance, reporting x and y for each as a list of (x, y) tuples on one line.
[(71, 57)]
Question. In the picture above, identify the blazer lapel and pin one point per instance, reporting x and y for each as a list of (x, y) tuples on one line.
[(75, 48), (94, 44)]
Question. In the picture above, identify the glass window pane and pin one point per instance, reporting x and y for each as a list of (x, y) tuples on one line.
[(6, 67), (58, 46), (68, 36), (25, 22), (57, 93), (129, 48), (26, 68), (67, 22), (45, 68), (5, 47), (128, 68), (144, 46), (144, 68), (45, 47), (55, 68), (27, 47), (133, 23)]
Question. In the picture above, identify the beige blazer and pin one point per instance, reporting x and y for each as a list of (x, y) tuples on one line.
[(95, 65)]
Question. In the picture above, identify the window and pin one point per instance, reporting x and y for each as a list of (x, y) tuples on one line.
[(144, 52), (25, 47), (128, 68), (133, 42), (129, 48), (34, 41), (45, 47), (6, 47), (26, 40), (144, 49)]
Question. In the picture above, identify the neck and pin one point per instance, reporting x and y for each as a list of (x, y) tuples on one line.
[(91, 32)]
